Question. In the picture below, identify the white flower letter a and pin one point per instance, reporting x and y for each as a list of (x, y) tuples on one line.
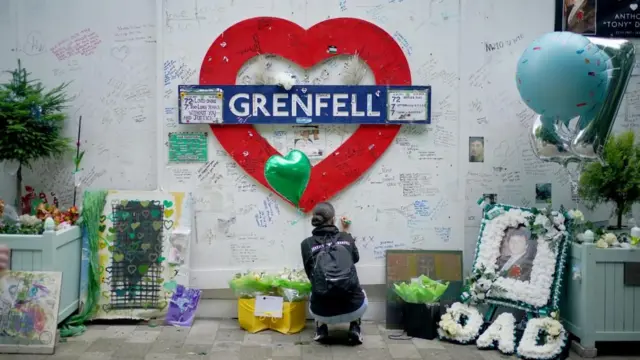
[(501, 331)]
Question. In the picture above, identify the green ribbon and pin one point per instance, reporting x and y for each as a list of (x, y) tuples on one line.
[(465, 297), (92, 207)]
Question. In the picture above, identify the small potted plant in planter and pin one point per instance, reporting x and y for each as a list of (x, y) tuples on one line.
[(31, 128), (31, 123), (617, 180)]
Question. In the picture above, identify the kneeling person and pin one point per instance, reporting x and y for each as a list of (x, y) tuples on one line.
[(329, 258)]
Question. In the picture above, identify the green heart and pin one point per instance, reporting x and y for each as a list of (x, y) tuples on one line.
[(155, 213), (288, 175), (167, 203), (101, 228), (142, 269)]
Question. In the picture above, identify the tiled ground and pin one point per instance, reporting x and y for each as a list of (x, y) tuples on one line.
[(222, 339)]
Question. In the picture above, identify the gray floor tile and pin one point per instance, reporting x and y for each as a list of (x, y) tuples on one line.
[(224, 340)]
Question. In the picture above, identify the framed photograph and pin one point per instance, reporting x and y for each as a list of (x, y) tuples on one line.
[(476, 149), (522, 251), (309, 140), (604, 18)]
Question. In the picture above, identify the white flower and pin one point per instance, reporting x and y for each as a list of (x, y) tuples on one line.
[(483, 285), (451, 329), (554, 330), (610, 238), (542, 221), (28, 220), (285, 80), (63, 225), (602, 244), (576, 215), (558, 219)]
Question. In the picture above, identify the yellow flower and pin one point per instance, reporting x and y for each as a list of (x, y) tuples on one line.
[(576, 215)]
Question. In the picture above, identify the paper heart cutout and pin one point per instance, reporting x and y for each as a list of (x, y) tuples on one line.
[(633, 7), (288, 175), (306, 47), (156, 225)]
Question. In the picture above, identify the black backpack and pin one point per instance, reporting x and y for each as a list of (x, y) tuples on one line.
[(332, 271)]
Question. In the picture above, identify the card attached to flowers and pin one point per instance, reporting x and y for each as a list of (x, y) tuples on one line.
[(520, 258)]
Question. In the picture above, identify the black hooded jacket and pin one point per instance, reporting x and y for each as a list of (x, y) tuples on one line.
[(330, 306)]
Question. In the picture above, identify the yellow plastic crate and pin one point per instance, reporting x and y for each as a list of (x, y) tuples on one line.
[(293, 319)]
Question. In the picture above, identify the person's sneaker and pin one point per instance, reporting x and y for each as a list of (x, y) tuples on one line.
[(322, 332), (355, 334)]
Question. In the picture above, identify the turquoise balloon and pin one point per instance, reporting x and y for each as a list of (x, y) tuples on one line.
[(562, 75)]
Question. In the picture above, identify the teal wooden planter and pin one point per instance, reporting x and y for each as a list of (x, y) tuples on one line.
[(51, 251), (597, 306)]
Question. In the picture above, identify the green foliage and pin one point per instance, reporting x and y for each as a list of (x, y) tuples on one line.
[(23, 229), (617, 180), (31, 119)]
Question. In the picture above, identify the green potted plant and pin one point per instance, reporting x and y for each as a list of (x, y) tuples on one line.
[(617, 179), (31, 122)]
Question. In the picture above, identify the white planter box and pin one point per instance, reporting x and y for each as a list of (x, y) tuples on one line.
[(598, 306), (52, 251)]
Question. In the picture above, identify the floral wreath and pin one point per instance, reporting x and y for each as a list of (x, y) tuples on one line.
[(461, 324), (502, 328), (540, 294), (543, 339)]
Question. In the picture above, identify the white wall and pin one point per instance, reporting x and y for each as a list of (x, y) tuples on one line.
[(128, 108)]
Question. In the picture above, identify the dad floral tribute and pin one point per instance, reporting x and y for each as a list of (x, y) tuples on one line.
[(520, 260)]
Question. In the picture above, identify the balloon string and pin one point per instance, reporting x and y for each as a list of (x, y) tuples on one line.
[(574, 182), (300, 216)]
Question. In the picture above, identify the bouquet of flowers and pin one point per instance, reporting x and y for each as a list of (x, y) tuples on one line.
[(421, 291), (291, 284)]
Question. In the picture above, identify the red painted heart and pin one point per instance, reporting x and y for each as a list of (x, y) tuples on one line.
[(343, 36)]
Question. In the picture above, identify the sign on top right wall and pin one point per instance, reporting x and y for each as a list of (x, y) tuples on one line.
[(619, 19)]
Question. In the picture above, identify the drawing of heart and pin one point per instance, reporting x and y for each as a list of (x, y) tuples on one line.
[(633, 7), (132, 269), (106, 308), (307, 47), (168, 224)]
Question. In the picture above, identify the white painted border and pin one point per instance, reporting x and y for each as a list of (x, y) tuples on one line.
[(219, 278)]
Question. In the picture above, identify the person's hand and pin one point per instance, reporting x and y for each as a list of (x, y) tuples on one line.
[(345, 222), (4, 258)]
